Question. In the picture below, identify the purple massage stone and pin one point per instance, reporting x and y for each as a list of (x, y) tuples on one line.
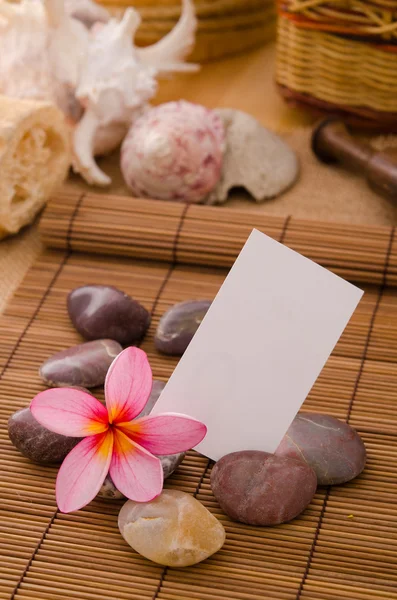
[(83, 365), (103, 311), (178, 325), (35, 441)]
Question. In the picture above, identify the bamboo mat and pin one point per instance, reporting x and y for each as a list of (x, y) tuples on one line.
[(342, 547), (209, 235), (17, 254)]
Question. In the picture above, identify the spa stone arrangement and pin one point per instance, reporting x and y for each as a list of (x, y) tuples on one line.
[(173, 528)]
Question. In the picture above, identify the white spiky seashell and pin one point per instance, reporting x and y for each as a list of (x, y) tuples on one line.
[(68, 42), (23, 43), (43, 45), (118, 80), (97, 72), (113, 85), (87, 11)]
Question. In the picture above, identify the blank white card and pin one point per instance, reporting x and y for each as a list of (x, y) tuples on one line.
[(260, 348)]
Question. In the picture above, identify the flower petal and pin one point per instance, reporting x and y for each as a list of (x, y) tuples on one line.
[(135, 472), (167, 433), (128, 385), (83, 471), (70, 412)]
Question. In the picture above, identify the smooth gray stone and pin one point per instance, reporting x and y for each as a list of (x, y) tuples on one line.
[(171, 462), (103, 311), (331, 447), (83, 365), (35, 441), (178, 325)]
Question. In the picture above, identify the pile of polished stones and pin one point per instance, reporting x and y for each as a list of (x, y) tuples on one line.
[(257, 488)]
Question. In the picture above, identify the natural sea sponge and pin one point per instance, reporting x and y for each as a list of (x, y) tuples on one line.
[(34, 159)]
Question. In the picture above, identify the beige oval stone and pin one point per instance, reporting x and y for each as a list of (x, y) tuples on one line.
[(173, 530)]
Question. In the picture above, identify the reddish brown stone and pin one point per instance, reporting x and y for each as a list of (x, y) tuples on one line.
[(35, 441), (259, 488)]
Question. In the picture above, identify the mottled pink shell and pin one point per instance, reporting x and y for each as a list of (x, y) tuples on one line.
[(174, 152)]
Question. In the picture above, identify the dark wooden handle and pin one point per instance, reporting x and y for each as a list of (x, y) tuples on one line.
[(332, 143)]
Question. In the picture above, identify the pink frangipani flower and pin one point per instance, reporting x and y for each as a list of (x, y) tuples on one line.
[(114, 442)]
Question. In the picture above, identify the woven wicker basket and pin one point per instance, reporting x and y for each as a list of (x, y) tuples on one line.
[(340, 56), (225, 26)]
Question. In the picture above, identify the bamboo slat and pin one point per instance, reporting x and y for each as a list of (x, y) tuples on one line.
[(342, 547), (214, 236)]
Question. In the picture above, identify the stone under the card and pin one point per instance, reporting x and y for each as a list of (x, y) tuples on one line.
[(259, 488)]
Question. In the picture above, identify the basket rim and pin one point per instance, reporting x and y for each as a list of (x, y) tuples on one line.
[(356, 19)]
